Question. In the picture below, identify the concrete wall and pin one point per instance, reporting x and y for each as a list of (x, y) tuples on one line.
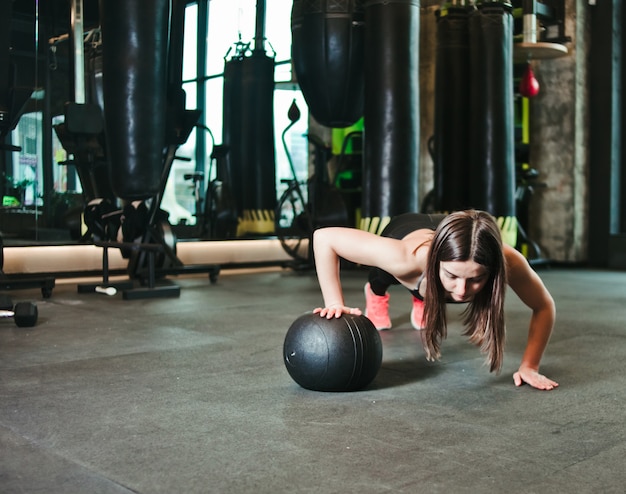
[(428, 58), (559, 142)]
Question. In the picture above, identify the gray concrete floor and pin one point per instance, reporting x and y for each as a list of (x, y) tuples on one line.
[(191, 395)]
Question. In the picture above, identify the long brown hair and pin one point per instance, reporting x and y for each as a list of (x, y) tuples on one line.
[(467, 236)]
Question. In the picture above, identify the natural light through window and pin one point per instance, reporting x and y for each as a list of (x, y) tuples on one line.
[(233, 23)]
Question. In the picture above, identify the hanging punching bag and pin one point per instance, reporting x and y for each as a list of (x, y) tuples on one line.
[(231, 129), (391, 111), (451, 173), (134, 62), (529, 85), (327, 54), (5, 61), (491, 125), (258, 167)]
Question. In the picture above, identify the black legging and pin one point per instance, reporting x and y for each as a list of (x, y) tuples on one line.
[(399, 227)]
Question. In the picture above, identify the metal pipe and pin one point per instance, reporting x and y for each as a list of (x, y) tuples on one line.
[(529, 15), (259, 37), (79, 51)]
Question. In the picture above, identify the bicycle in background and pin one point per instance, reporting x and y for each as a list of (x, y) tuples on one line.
[(311, 204)]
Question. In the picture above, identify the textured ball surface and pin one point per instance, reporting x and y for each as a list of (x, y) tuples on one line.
[(339, 354)]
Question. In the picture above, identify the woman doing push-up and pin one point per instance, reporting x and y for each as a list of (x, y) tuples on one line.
[(458, 258)]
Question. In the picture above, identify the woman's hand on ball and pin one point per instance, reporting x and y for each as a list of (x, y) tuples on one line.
[(336, 310)]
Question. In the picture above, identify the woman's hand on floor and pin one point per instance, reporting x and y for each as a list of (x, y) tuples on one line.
[(533, 378)]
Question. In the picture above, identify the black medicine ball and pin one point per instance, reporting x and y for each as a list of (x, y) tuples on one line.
[(339, 354)]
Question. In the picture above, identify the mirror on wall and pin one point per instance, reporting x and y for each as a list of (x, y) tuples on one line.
[(44, 191)]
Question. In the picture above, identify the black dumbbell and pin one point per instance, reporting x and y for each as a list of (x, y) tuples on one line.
[(24, 314)]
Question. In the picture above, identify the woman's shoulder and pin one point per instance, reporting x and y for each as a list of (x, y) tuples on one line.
[(511, 254), (421, 235), (516, 263), (419, 240)]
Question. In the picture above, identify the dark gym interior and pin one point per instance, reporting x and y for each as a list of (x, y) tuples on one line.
[(160, 190)]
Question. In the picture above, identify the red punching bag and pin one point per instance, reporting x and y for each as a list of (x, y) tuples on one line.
[(327, 54), (529, 85)]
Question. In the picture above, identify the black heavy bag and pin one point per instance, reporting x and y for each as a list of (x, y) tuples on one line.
[(451, 171), (391, 111), (231, 129), (134, 61), (179, 122), (258, 167), (491, 124), (327, 54), (17, 78), (5, 45)]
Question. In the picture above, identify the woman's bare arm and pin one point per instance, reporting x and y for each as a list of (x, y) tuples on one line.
[(360, 247), (530, 289)]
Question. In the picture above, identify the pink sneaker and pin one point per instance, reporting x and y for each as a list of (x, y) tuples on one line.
[(417, 314), (377, 308)]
